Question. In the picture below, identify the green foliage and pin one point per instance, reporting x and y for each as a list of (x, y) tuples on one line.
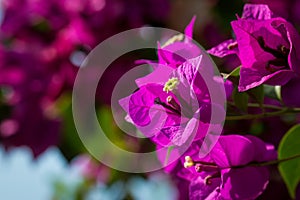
[(109, 127), (235, 72), (257, 94), (273, 92), (290, 170), (257, 128), (71, 144), (240, 100)]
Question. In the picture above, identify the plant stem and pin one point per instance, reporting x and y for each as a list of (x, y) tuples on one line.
[(261, 115), (273, 162), (256, 105), (280, 111)]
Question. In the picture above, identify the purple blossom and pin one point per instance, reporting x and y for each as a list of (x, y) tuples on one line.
[(230, 46), (226, 173), (29, 92), (267, 50), (168, 111), (173, 104), (266, 46), (38, 39)]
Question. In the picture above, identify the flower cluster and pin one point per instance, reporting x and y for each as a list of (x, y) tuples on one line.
[(219, 135), (42, 44), (228, 171), (173, 105), (266, 46)]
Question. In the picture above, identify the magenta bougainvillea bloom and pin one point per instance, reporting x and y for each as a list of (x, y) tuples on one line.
[(39, 44), (173, 100), (267, 50), (266, 46), (230, 46), (169, 111), (230, 171), (29, 93)]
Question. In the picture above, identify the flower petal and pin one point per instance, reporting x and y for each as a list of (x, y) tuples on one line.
[(198, 190), (244, 183), (225, 48), (142, 104), (160, 75), (250, 78), (257, 11), (189, 28), (233, 150)]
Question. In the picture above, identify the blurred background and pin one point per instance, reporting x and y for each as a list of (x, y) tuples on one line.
[(42, 45)]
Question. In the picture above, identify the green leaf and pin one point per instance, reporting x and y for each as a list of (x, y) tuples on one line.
[(70, 144), (278, 92), (273, 92), (109, 127), (257, 128), (240, 100), (257, 94), (289, 170), (235, 72)]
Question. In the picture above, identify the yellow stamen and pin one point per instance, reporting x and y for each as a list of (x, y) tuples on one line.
[(171, 84), (175, 38), (188, 162)]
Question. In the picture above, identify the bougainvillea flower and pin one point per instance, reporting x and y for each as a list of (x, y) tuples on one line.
[(40, 41), (171, 100), (267, 50), (267, 47), (230, 171), (250, 11), (30, 89), (169, 113)]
